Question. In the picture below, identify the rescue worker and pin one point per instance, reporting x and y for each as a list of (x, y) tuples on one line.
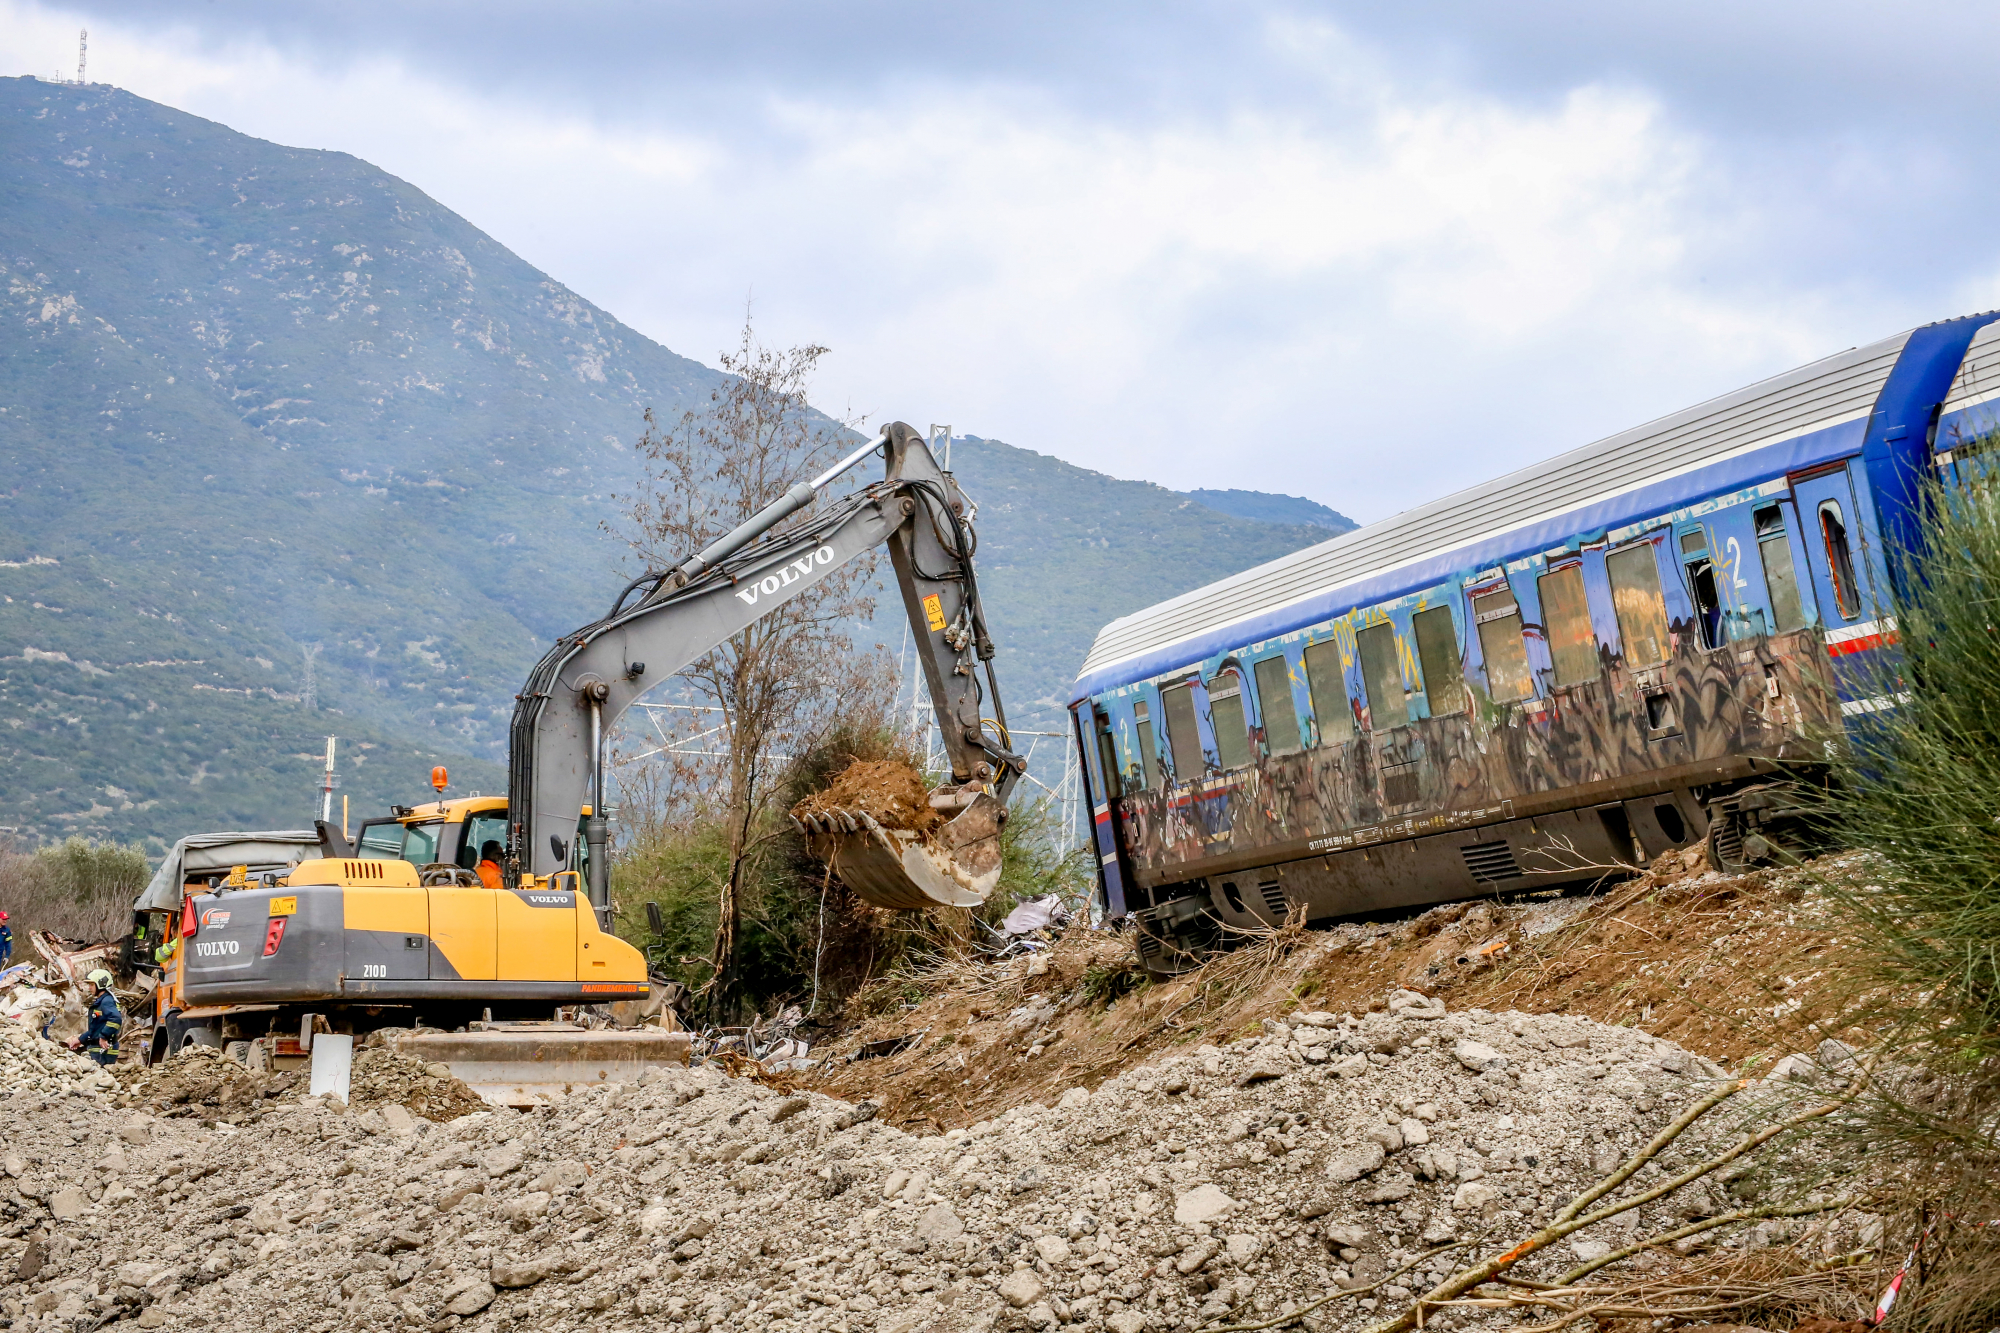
[(166, 953), (100, 1040), (6, 942), (489, 864)]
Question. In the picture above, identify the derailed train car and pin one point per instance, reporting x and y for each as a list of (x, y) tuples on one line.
[(1579, 665)]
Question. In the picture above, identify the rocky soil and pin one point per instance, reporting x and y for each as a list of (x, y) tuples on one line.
[(1215, 1184)]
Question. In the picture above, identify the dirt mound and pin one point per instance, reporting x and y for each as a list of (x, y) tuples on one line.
[(1726, 966), (382, 1076), (893, 793), (204, 1082), (200, 1081)]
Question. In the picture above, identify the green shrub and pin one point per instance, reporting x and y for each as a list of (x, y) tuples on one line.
[(1918, 787), (80, 890)]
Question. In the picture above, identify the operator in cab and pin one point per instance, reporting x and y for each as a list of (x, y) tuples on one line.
[(489, 864), (100, 1040)]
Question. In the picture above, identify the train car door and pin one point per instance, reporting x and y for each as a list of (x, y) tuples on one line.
[(1100, 774), (1831, 523)]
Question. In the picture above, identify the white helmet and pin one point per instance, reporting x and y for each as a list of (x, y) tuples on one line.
[(100, 979)]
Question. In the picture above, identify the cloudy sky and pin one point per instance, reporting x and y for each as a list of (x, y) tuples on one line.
[(1361, 252)]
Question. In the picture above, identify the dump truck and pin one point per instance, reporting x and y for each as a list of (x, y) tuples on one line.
[(397, 929)]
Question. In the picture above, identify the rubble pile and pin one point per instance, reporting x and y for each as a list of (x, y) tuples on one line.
[(205, 1082), (1216, 1184)]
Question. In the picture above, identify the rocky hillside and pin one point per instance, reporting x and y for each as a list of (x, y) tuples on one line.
[(259, 403)]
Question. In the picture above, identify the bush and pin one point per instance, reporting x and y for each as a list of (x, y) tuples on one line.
[(806, 938), (80, 890), (1915, 786)]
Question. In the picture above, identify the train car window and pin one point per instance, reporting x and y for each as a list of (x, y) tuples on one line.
[(1701, 587), (1779, 576), (1566, 622), (1326, 682), (1183, 732), (1225, 715), (1382, 677), (1149, 754), (1642, 611), (1274, 701), (1498, 616), (1437, 658), (1107, 759), (1839, 559)]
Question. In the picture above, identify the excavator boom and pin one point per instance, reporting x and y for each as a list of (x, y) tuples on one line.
[(590, 677)]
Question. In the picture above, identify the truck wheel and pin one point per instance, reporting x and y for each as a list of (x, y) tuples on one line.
[(198, 1036)]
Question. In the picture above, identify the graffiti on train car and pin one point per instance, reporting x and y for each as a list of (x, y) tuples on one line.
[(1772, 697)]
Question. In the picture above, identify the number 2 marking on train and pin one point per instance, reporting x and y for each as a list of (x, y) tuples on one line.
[(1735, 563)]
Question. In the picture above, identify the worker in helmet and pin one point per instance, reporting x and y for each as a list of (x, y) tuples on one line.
[(6, 942), (489, 864), (100, 1040)]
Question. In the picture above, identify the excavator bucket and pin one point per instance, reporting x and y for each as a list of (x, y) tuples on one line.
[(957, 865)]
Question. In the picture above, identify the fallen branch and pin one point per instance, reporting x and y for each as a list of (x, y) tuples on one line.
[(1572, 1218)]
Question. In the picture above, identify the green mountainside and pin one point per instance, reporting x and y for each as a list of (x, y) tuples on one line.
[(255, 399)]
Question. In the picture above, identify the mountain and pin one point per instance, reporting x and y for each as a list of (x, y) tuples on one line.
[(260, 405), (1265, 507)]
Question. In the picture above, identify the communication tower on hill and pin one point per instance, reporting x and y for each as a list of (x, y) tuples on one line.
[(82, 53)]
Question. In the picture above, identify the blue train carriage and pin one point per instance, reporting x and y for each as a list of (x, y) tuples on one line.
[(1578, 666)]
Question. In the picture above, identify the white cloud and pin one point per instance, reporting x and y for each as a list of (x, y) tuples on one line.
[(1370, 296)]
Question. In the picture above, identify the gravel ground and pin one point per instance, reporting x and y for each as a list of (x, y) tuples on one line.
[(1198, 1189)]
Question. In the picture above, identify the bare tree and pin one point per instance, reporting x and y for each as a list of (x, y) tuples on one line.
[(772, 688)]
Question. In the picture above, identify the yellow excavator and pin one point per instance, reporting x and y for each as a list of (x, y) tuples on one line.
[(414, 924)]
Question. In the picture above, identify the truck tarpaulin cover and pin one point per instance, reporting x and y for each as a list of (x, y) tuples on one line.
[(209, 853)]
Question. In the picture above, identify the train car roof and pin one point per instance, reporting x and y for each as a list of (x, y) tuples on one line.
[(1829, 392)]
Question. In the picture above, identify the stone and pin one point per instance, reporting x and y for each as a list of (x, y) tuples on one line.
[(137, 1131), (399, 1120), (1052, 1249), (1127, 1321), (1203, 1203), (1350, 1164), (895, 1184), (1197, 1255), (1477, 1056), (1264, 1066), (528, 1208), (1021, 1288), (1589, 1250), (1075, 1097), (1349, 1066), (471, 1300), (561, 1178), (153, 1317), (1472, 1197), (1795, 1069), (1390, 1137), (13, 1165), (1415, 1133), (525, 1273), (939, 1224), (68, 1204), (502, 1161), (1081, 1224), (1393, 1189), (1242, 1247)]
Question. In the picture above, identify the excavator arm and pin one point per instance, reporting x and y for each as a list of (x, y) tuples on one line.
[(667, 620)]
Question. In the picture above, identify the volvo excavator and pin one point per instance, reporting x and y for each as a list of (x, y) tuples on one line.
[(400, 931)]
